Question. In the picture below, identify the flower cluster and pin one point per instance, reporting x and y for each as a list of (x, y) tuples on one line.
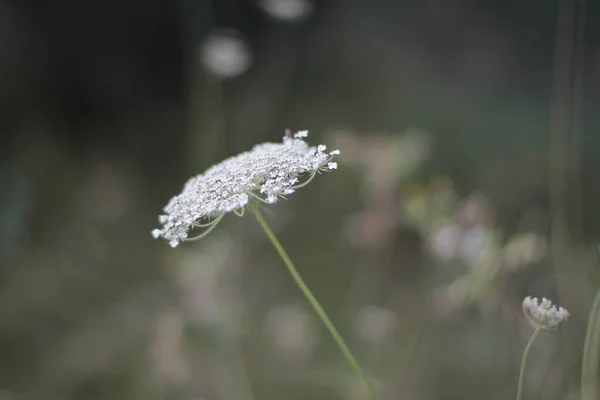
[(266, 173), (544, 315)]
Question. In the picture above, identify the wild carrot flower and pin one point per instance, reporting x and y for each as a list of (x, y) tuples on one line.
[(543, 315), (266, 173)]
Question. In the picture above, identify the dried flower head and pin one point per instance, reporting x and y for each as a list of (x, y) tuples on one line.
[(266, 173), (543, 315)]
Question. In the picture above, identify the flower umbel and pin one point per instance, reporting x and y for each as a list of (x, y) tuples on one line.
[(266, 173), (543, 315)]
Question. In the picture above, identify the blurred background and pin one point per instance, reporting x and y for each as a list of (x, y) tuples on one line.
[(467, 180)]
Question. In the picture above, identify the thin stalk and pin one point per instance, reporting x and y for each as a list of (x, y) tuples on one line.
[(591, 354), (524, 363), (213, 225), (315, 304), (306, 182)]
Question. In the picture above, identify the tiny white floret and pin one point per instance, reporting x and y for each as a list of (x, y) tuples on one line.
[(301, 134)]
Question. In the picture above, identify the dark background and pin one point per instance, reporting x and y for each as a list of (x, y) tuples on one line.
[(106, 108)]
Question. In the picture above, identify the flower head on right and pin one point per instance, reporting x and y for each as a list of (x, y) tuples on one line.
[(543, 315)]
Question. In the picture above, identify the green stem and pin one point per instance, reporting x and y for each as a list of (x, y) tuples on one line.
[(591, 354), (524, 363), (314, 303)]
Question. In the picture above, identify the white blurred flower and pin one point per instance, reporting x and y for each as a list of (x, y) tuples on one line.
[(444, 241), (287, 10), (543, 315), (473, 210), (376, 325), (524, 249), (472, 244), (292, 330), (266, 173), (226, 54)]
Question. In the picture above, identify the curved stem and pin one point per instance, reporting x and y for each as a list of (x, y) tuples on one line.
[(206, 225), (209, 230), (257, 197), (314, 303), (306, 182), (524, 363)]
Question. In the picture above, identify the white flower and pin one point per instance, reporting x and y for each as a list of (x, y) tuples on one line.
[(226, 54), (265, 173), (445, 240), (376, 325), (524, 249), (472, 244), (287, 10), (544, 315)]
